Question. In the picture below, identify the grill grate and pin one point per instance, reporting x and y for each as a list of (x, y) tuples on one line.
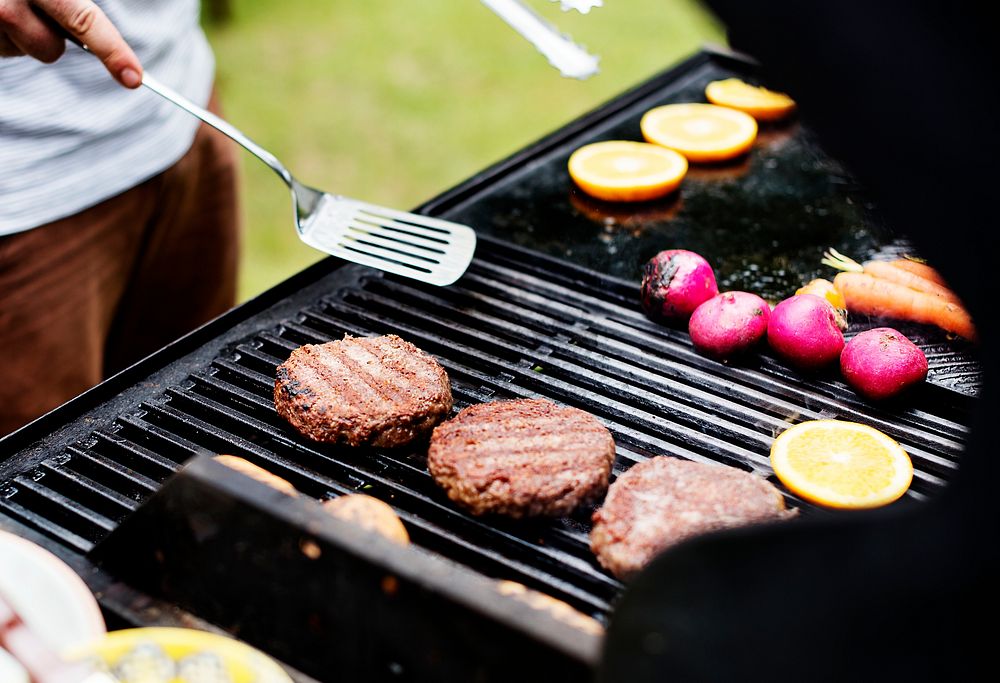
[(512, 327)]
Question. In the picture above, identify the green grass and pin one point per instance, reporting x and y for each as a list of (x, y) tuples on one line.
[(394, 102)]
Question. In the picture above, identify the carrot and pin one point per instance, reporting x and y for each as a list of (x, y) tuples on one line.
[(896, 271), (869, 295), (921, 269), (891, 271)]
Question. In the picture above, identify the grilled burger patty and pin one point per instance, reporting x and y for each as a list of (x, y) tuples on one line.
[(522, 458), (362, 391), (664, 501)]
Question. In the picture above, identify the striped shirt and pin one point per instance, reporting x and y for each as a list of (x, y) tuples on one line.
[(71, 137)]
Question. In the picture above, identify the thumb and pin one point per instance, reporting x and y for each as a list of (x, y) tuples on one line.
[(85, 22)]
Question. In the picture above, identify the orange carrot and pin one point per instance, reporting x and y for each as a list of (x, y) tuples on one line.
[(909, 273), (869, 295), (892, 272), (921, 269)]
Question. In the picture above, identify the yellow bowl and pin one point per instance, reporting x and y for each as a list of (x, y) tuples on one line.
[(180, 650)]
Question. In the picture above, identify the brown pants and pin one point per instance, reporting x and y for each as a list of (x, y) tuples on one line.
[(88, 295)]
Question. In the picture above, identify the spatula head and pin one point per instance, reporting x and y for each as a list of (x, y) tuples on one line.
[(420, 247)]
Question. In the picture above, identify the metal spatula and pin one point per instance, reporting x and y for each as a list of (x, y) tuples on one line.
[(423, 248)]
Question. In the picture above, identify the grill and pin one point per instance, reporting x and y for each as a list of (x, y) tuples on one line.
[(520, 323)]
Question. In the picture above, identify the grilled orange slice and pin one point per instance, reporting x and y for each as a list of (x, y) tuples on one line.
[(701, 132), (841, 464), (622, 171), (760, 103)]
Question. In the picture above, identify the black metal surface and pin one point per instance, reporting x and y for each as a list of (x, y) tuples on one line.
[(327, 596), (515, 325), (518, 324), (762, 221)]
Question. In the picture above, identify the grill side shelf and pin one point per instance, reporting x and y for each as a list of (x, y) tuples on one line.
[(325, 596)]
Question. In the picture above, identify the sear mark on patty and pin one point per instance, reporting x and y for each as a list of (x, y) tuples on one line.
[(522, 458), (362, 391)]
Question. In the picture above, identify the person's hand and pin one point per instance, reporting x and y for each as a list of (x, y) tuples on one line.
[(37, 28)]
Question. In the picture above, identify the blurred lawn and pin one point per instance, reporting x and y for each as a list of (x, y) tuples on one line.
[(394, 102)]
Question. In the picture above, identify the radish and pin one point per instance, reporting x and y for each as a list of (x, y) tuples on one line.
[(803, 331), (881, 363), (674, 283), (729, 324)]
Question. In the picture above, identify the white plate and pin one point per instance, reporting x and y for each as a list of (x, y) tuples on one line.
[(10, 670), (52, 600)]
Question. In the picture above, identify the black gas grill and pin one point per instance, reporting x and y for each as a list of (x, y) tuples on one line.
[(520, 323)]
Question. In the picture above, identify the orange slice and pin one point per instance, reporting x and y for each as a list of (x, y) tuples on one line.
[(622, 171), (841, 464), (760, 103), (701, 132)]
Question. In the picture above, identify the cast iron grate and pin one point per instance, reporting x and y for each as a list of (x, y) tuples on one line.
[(510, 328)]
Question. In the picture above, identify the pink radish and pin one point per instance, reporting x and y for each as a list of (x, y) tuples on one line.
[(803, 331), (881, 363), (729, 324), (674, 283)]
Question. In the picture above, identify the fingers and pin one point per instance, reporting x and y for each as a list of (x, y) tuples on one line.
[(85, 20), (22, 32), (8, 48)]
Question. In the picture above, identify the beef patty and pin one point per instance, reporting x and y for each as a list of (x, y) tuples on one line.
[(362, 391), (522, 458), (664, 501)]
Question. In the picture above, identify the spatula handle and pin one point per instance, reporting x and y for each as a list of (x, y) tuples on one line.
[(220, 124)]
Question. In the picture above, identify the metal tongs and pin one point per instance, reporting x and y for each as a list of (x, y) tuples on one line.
[(572, 60)]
